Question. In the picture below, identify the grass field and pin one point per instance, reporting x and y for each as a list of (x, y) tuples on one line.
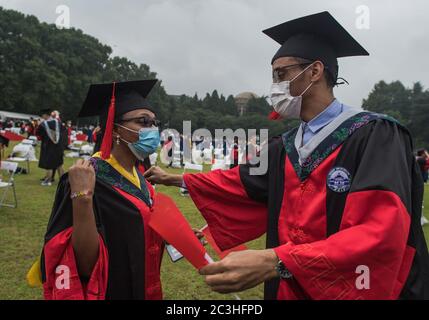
[(22, 230)]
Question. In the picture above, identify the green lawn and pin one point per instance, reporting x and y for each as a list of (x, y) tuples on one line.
[(22, 230)]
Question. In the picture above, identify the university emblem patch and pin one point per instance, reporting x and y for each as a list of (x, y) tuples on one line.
[(339, 180)]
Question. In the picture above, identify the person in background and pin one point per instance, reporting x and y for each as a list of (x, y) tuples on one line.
[(63, 142), (4, 143), (235, 152), (29, 128), (423, 163), (168, 145), (69, 131), (89, 133), (97, 136), (35, 124), (51, 157), (181, 146), (22, 127), (56, 115)]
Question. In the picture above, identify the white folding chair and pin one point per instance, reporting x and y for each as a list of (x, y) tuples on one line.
[(153, 158), (218, 164), (27, 141), (86, 150), (33, 140), (24, 152), (193, 167), (76, 145), (10, 168), (197, 155)]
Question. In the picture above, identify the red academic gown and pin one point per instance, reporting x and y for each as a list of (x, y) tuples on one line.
[(355, 202)]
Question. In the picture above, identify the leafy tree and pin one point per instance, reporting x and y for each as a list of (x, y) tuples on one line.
[(42, 66), (410, 106)]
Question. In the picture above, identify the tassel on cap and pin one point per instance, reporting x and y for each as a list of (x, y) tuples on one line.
[(274, 116), (106, 145)]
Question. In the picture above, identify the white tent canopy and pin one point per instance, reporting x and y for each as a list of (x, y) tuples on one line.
[(16, 116)]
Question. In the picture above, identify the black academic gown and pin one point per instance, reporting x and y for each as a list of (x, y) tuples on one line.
[(130, 253), (355, 202), (51, 154)]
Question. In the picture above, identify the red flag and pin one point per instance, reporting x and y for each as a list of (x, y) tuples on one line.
[(168, 221), (222, 254)]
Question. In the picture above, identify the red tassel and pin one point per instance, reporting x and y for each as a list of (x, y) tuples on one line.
[(106, 145), (274, 116)]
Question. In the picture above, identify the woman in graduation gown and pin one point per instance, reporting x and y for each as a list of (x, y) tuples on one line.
[(98, 244)]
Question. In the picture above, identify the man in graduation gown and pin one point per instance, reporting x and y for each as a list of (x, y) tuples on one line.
[(99, 226), (341, 221), (50, 134)]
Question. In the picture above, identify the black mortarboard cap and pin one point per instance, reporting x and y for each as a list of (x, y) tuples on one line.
[(315, 37), (111, 100), (129, 96)]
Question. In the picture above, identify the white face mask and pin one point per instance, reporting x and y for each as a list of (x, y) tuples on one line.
[(286, 105)]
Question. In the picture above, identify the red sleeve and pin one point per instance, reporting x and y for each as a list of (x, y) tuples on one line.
[(232, 216), (62, 278), (373, 233)]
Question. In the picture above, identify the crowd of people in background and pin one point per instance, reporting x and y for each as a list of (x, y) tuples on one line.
[(53, 144), (54, 135), (236, 152), (27, 128), (423, 162)]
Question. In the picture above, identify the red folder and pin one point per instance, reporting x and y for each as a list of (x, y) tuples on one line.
[(170, 224), (222, 254)]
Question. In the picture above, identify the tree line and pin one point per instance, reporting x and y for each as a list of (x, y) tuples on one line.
[(42, 66)]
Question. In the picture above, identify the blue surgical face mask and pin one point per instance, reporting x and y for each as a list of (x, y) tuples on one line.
[(147, 143)]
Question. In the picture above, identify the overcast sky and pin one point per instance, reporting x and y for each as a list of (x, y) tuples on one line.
[(201, 45)]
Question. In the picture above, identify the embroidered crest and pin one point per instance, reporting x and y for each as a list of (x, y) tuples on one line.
[(105, 172), (339, 180)]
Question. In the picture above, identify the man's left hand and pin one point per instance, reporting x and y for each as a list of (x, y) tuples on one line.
[(241, 270)]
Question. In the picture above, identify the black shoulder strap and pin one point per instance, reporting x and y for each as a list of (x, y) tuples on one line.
[(276, 169)]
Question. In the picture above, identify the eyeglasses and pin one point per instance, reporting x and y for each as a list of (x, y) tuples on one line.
[(144, 121), (280, 74)]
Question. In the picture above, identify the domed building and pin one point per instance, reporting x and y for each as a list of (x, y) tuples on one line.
[(242, 100)]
